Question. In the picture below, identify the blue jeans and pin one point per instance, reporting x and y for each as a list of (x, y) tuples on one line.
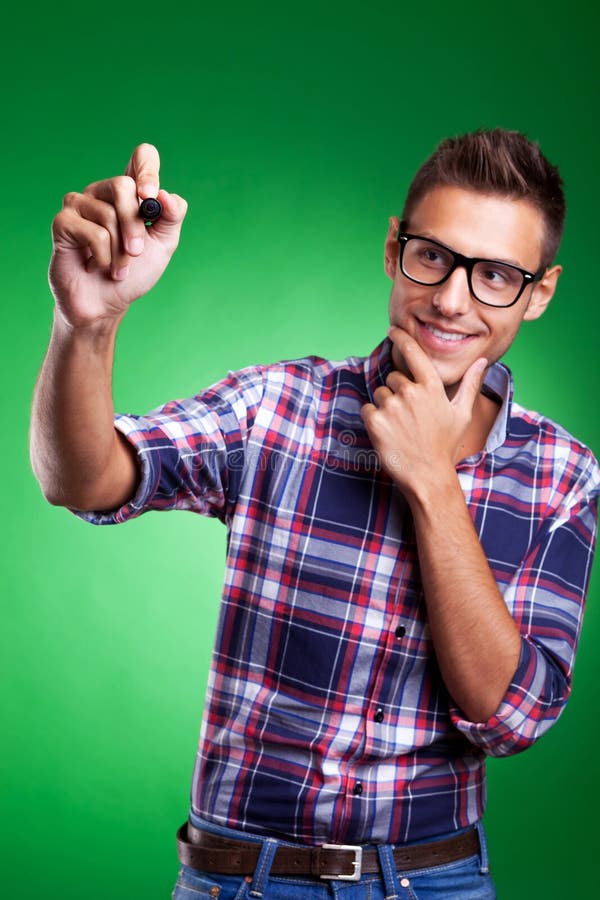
[(467, 879)]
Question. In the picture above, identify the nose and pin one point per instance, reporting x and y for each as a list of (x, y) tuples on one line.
[(453, 297)]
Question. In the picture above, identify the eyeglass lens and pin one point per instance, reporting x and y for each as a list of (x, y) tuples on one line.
[(491, 282)]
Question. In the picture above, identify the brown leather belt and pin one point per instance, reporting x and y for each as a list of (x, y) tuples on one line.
[(215, 853)]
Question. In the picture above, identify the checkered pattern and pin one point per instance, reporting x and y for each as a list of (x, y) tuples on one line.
[(326, 718)]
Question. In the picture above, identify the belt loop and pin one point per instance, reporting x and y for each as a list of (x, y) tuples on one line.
[(389, 871), (483, 851), (263, 867)]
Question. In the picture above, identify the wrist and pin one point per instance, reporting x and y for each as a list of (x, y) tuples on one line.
[(99, 333), (434, 490)]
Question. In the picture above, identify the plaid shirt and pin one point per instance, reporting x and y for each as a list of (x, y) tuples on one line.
[(326, 718)]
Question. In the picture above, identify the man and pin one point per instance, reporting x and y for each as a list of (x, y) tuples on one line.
[(408, 549)]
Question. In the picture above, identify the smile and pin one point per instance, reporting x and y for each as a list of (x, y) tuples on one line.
[(451, 336)]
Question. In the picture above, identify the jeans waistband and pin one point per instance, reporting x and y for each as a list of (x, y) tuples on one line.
[(240, 834), (326, 861)]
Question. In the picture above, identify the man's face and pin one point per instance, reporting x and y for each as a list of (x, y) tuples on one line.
[(451, 326)]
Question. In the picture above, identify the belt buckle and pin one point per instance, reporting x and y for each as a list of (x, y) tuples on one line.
[(357, 862)]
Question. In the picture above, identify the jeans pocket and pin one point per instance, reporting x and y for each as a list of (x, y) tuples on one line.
[(194, 885), (455, 881)]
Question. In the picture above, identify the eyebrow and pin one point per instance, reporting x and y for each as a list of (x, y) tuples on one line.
[(508, 262)]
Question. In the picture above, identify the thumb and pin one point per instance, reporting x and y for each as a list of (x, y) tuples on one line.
[(172, 214), (470, 385)]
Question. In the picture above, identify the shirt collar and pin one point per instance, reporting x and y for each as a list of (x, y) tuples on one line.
[(378, 366), (498, 383)]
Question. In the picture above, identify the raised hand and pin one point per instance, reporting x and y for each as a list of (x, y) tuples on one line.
[(103, 256)]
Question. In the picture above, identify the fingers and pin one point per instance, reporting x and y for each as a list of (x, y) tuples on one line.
[(417, 361), (397, 386), (173, 213), (103, 222), (396, 381), (106, 221), (71, 231), (367, 410), (380, 395), (470, 385), (141, 180), (369, 414), (121, 194), (144, 167)]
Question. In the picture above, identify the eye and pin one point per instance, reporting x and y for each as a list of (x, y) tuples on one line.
[(494, 276), (433, 257), (497, 276)]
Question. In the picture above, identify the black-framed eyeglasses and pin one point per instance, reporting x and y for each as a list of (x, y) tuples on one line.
[(490, 281)]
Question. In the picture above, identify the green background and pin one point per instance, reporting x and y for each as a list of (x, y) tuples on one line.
[(292, 130)]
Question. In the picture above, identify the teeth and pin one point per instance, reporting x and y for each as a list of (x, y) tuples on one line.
[(446, 335)]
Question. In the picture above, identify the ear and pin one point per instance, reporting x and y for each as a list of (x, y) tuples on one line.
[(391, 248), (542, 294)]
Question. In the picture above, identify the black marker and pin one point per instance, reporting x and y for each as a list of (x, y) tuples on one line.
[(150, 210)]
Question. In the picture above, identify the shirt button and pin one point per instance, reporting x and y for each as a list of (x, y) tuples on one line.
[(400, 631), (358, 789), (378, 715)]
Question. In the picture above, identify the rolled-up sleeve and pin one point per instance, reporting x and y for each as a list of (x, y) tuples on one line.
[(546, 597), (191, 452)]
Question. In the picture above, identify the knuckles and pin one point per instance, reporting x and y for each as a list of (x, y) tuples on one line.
[(119, 186), (58, 222), (101, 247), (381, 395), (401, 387), (394, 381), (123, 183), (123, 188), (63, 220), (408, 390), (70, 198)]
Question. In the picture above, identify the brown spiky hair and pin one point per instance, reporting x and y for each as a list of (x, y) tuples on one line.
[(497, 162)]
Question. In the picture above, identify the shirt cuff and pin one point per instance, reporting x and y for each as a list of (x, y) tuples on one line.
[(532, 703), (150, 467)]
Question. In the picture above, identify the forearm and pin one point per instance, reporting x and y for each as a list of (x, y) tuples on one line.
[(476, 641), (77, 456)]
